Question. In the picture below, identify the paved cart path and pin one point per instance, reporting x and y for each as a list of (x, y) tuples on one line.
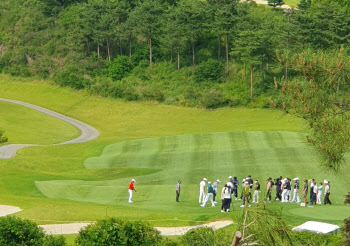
[(74, 228), (88, 133)]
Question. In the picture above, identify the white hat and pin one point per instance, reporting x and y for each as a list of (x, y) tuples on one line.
[(209, 183), (230, 177), (326, 182), (218, 180), (256, 181), (133, 180), (296, 179), (204, 179), (243, 180), (285, 179)]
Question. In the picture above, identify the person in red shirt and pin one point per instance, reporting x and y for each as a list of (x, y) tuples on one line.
[(131, 189)]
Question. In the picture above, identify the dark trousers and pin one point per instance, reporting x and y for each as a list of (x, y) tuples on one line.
[(177, 196), (226, 204), (313, 198), (278, 194), (244, 199), (235, 191), (268, 195), (214, 195), (326, 199)]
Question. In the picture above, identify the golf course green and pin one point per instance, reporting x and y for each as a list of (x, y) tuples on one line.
[(155, 144)]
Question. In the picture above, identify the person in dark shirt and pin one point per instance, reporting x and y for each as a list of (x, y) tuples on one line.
[(305, 190), (178, 190), (278, 189), (269, 186), (235, 187), (296, 197)]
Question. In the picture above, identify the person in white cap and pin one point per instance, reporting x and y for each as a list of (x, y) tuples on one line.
[(284, 190), (319, 193), (296, 197), (215, 189), (256, 192), (209, 195), (131, 189), (202, 190), (327, 192)]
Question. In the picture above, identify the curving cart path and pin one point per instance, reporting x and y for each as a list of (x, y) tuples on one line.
[(74, 228), (88, 133)]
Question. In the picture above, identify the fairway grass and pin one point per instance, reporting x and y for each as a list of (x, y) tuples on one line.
[(156, 145), (39, 128)]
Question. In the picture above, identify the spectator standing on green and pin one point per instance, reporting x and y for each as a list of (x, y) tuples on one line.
[(215, 188), (245, 194), (209, 195), (178, 190), (305, 189)]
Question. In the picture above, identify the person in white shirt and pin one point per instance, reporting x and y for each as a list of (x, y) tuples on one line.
[(296, 197), (314, 194), (284, 190), (256, 192), (319, 193), (202, 190), (226, 194), (327, 191)]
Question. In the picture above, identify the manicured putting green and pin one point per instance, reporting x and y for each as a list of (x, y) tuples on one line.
[(189, 158), (24, 125)]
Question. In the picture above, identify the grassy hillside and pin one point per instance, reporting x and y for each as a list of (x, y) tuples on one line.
[(157, 145)]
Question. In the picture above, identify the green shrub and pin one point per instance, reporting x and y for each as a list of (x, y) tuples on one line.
[(70, 76), (119, 67), (118, 232), (2, 137), (17, 70), (211, 70), (17, 231), (309, 238), (50, 240), (203, 236), (213, 99)]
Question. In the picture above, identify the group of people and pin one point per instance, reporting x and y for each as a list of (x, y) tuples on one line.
[(283, 188), (251, 189)]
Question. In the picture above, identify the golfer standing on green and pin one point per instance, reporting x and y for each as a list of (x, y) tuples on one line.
[(131, 189), (178, 190)]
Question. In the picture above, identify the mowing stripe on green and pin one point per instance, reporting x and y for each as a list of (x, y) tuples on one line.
[(189, 158)]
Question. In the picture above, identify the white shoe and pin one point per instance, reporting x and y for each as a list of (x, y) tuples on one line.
[(222, 211), (202, 205), (249, 206), (236, 198), (215, 202), (253, 202), (242, 206), (130, 201), (213, 205), (227, 210)]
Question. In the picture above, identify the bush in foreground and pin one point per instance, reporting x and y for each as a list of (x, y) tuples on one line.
[(16, 231), (118, 232)]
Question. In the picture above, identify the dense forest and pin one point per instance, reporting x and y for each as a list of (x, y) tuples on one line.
[(201, 53)]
